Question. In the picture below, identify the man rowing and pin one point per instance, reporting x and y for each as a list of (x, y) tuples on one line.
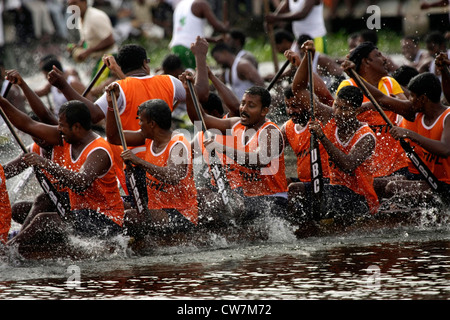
[(426, 124), (389, 158), (258, 151), (137, 87), (349, 145), (172, 197), (296, 129), (88, 173)]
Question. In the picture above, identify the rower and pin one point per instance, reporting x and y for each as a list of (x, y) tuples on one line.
[(389, 159), (350, 145), (258, 151), (95, 202), (296, 129), (23, 212), (137, 87), (172, 197), (426, 124)]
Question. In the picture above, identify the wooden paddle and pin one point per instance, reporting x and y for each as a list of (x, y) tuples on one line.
[(433, 182), (130, 170), (217, 171), (315, 161), (94, 80), (62, 206), (278, 75)]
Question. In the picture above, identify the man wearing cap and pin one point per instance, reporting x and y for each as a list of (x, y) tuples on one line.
[(389, 157)]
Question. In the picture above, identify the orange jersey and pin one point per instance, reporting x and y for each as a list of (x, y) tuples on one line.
[(5, 208), (57, 157), (389, 156), (361, 180), (438, 165), (268, 180), (230, 167), (300, 142), (181, 196), (103, 195), (139, 90)]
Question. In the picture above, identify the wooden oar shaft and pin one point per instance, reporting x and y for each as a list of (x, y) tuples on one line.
[(94, 80), (8, 123), (196, 105), (278, 75), (311, 84), (118, 120)]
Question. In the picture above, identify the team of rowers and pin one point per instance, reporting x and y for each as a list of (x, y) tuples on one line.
[(242, 153)]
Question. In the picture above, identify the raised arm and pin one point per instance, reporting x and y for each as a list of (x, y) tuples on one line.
[(202, 9), (300, 85), (211, 122), (35, 102), (48, 133), (200, 49), (227, 95), (56, 78), (132, 138), (443, 63)]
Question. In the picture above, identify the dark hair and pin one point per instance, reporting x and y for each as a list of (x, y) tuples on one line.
[(131, 57), (426, 84), (369, 36), (171, 62), (238, 35), (302, 39), (76, 111), (352, 95), (404, 74), (213, 103), (282, 34), (263, 93), (360, 52), (49, 61), (288, 93), (157, 110), (435, 37), (220, 47)]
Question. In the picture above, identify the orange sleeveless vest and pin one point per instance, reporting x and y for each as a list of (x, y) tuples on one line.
[(439, 166), (103, 195), (389, 156), (231, 168), (262, 181), (137, 91), (56, 157), (5, 208), (361, 180), (300, 142), (183, 195)]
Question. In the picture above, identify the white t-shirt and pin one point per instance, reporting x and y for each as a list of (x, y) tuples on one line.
[(94, 28)]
